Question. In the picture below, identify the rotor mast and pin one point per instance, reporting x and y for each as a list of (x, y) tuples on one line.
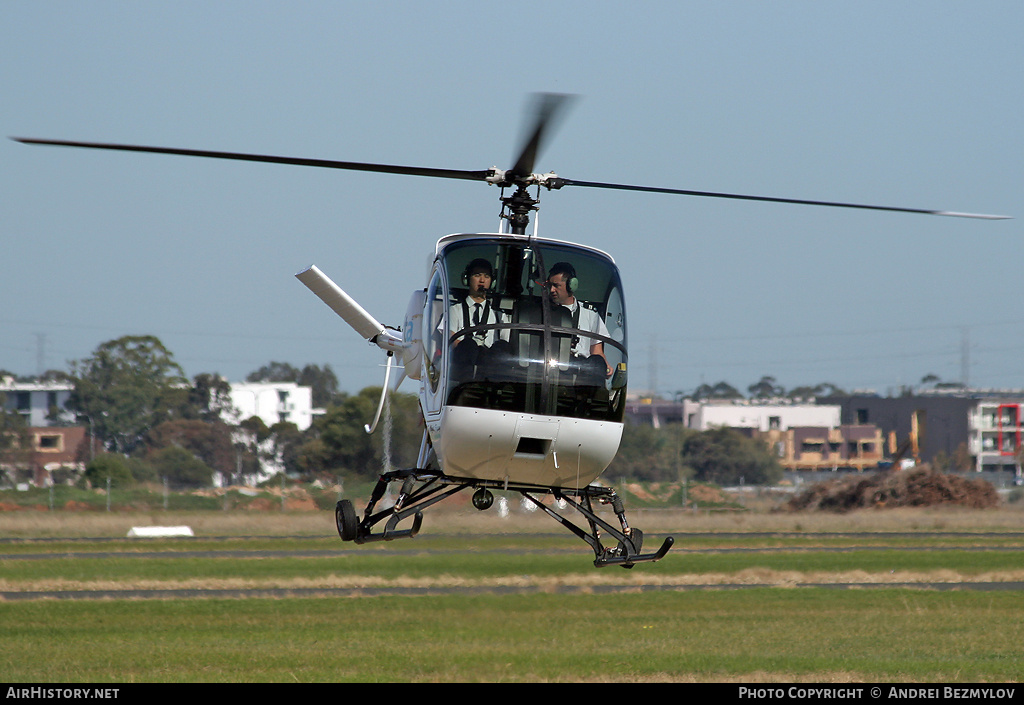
[(517, 208)]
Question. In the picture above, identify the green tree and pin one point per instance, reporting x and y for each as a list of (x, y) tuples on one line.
[(210, 441), (726, 457), (765, 389), (274, 372), (338, 441), (208, 399), (15, 444), (287, 443), (823, 389), (125, 388), (719, 390), (181, 468), (108, 466), (248, 444), (321, 380), (651, 454)]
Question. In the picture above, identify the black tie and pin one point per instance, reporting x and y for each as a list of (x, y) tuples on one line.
[(476, 314)]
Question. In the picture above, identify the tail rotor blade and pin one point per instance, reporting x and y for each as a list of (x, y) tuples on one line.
[(340, 302)]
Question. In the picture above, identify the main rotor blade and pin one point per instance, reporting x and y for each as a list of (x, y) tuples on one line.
[(546, 108), (772, 199), (325, 163)]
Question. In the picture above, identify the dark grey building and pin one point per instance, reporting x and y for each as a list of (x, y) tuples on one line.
[(976, 430)]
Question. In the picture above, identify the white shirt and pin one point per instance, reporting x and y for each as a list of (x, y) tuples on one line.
[(484, 337), (591, 322)]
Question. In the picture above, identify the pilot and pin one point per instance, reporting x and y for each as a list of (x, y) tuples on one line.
[(476, 309), (562, 284)]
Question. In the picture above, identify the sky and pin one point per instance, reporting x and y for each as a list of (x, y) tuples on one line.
[(911, 104)]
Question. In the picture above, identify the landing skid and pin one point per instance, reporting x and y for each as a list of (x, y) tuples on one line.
[(423, 488)]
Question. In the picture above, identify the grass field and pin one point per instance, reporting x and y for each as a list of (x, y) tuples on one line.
[(763, 634), (478, 599)]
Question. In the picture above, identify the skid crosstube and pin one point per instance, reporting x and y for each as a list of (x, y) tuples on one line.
[(434, 487)]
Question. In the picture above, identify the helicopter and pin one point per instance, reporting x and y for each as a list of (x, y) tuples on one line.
[(526, 396)]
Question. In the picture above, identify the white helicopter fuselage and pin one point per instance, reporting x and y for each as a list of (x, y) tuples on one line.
[(525, 449)]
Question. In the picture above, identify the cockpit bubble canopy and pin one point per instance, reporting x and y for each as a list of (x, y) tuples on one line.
[(509, 344)]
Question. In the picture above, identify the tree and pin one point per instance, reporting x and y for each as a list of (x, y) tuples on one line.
[(720, 390), (181, 468), (274, 372), (210, 441), (126, 388), (827, 389), (280, 444), (322, 380), (288, 441), (823, 389), (208, 399), (108, 466), (15, 443), (338, 440), (765, 389), (962, 460), (651, 454), (726, 457)]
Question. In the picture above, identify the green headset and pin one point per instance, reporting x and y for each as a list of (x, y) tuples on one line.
[(567, 271)]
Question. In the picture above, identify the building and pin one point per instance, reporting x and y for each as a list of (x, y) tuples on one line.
[(56, 454), (801, 436), (819, 448), (978, 430), (38, 403), (733, 413), (657, 412), (273, 402), (761, 417), (995, 429)]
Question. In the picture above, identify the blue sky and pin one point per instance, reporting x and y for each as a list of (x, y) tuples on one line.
[(914, 104)]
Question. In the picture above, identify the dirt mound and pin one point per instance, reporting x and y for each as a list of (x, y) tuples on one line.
[(917, 487), (707, 495), (655, 492), (75, 506)]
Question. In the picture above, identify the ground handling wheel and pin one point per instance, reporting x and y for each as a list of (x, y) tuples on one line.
[(346, 519)]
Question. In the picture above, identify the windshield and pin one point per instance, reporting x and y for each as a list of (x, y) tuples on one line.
[(536, 328)]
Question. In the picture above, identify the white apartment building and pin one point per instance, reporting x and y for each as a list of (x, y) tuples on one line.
[(762, 417), (995, 430), (273, 402)]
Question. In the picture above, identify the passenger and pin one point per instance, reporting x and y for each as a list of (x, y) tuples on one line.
[(562, 284)]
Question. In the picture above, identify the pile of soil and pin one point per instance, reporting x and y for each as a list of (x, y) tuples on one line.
[(707, 495), (916, 487), (655, 492)]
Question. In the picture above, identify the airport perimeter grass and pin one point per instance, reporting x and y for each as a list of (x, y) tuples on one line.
[(559, 626), (761, 634)]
